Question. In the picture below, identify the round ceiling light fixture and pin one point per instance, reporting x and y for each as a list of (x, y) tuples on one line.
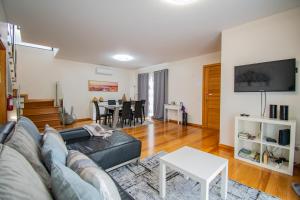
[(123, 57), (181, 2)]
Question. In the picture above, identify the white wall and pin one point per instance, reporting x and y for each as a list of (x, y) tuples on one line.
[(38, 72), (185, 82), (272, 38)]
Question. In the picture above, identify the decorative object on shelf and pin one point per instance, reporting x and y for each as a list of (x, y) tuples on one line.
[(243, 135), (284, 112), (266, 155), (268, 139), (101, 99), (124, 98), (102, 86), (273, 111), (284, 137), (248, 154), (244, 115), (173, 103)]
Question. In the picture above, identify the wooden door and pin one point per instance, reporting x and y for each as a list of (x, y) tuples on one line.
[(3, 112), (211, 96)]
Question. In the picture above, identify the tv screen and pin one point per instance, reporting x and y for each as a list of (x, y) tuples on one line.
[(268, 76)]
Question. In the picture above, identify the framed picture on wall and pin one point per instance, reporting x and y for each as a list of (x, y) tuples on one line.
[(102, 86)]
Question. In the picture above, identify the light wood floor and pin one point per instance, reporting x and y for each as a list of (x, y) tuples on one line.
[(168, 137)]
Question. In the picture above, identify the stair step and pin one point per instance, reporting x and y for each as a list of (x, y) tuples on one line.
[(38, 103), (42, 129), (52, 123), (39, 111), (50, 116)]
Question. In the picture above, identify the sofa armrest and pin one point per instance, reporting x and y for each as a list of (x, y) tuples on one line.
[(74, 134)]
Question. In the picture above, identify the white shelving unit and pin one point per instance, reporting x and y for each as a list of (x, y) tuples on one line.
[(262, 128)]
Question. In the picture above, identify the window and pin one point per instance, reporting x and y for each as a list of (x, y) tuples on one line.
[(18, 41)]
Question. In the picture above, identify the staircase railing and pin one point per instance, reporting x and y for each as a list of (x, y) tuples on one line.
[(59, 102)]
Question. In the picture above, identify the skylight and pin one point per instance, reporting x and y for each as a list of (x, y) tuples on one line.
[(18, 41)]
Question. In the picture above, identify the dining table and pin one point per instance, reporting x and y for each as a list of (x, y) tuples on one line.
[(115, 108)]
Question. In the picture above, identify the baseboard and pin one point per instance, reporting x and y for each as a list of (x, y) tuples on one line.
[(189, 124), (224, 146), (83, 119)]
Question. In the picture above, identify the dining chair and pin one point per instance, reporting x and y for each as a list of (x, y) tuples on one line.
[(126, 113), (111, 102), (138, 111), (100, 116), (120, 101)]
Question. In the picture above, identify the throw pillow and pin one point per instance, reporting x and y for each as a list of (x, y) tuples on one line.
[(93, 174), (53, 149), (49, 129), (66, 184), (18, 178), (31, 129), (21, 141)]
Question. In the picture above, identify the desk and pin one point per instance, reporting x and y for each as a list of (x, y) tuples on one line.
[(177, 108)]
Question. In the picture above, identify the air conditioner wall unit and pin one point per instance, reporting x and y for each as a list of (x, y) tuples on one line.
[(104, 71)]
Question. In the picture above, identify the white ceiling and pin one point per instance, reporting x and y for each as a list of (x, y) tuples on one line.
[(152, 31)]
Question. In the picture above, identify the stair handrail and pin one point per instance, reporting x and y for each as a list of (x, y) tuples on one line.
[(59, 102)]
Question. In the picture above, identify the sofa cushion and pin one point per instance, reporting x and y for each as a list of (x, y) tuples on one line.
[(5, 130), (93, 174), (18, 179), (53, 150), (31, 129), (49, 129), (108, 152), (21, 141), (66, 184)]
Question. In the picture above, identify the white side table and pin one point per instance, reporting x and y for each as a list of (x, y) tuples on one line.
[(172, 107), (198, 165)]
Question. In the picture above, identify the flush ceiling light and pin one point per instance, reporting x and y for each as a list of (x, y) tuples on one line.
[(181, 2), (123, 57)]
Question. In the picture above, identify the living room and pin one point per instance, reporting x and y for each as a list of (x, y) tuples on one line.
[(161, 52)]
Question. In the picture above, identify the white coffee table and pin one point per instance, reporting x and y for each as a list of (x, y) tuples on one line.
[(198, 165)]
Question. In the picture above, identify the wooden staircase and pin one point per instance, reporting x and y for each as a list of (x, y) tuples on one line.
[(42, 112)]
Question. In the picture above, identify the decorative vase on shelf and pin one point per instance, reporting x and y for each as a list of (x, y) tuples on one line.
[(94, 99), (124, 98), (266, 157)]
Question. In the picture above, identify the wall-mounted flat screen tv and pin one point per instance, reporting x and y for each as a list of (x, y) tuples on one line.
[(272, 76)]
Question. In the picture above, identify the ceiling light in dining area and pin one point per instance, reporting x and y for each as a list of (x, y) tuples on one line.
[(123, 57), (181, 2)]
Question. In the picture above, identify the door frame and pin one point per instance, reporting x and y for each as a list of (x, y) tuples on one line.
[(3, 92), (204, 85)]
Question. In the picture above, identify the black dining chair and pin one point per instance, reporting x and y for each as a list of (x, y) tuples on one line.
[(143, 108), (138, 111), (126, 113), (100, 116), (120, 101), (111, 102)]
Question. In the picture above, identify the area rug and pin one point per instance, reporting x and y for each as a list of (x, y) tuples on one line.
[(137, 124), (141, 181)]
